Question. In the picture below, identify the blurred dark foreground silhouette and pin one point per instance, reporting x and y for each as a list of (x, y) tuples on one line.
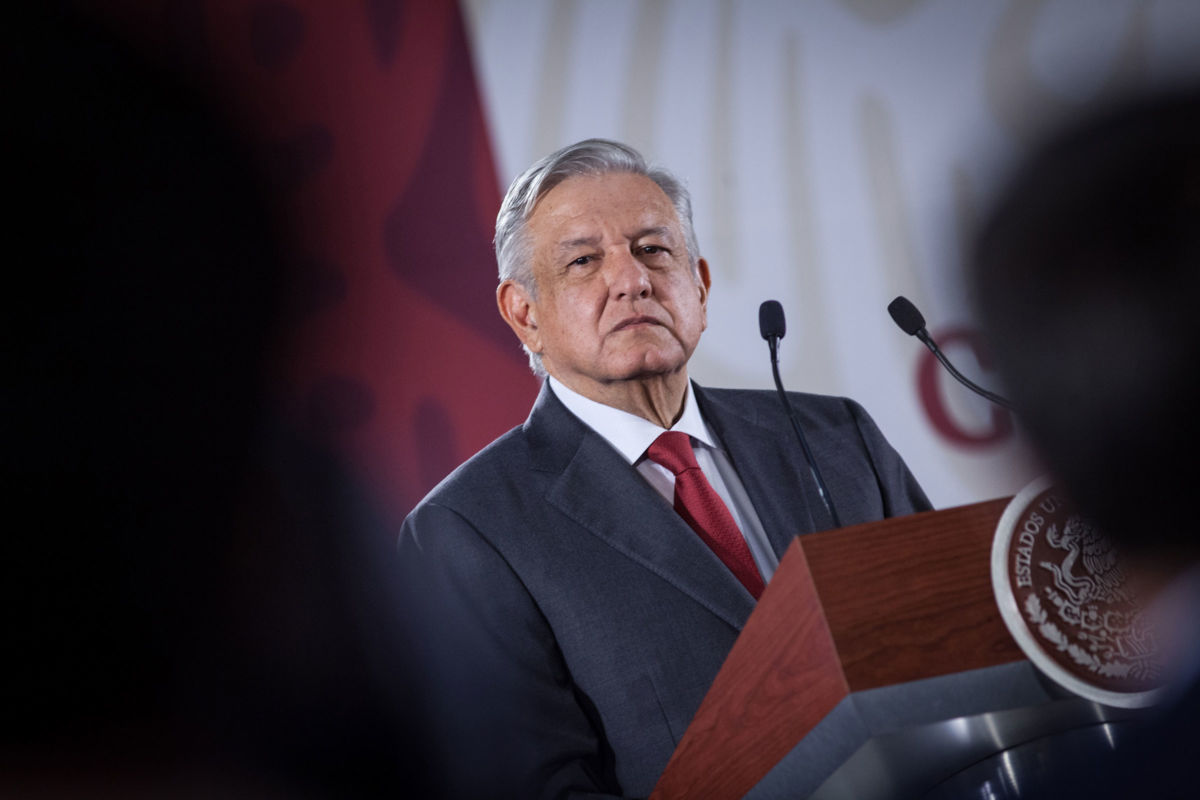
[(198, 602), (1086, 277)]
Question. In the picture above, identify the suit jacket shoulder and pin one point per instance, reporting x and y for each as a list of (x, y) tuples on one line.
[(866, 478)]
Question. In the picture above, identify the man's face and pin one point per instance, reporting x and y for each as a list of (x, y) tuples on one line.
[(617, 298)]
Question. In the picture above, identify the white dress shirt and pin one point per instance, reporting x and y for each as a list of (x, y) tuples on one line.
[(631, 435)]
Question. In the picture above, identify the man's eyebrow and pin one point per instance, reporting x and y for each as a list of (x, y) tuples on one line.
[(582, 241), (592, 241), (658, 230)]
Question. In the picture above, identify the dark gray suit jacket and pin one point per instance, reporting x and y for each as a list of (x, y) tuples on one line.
[(573, 621)]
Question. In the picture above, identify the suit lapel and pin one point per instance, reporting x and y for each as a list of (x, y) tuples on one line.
[(595, 487), (775, 475)]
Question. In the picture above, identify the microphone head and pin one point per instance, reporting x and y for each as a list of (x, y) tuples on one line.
[(906, 315), (770, 320)]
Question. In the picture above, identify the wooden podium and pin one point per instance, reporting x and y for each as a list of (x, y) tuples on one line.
[(852, 609)]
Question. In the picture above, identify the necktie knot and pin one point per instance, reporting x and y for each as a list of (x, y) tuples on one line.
[(673, 450)]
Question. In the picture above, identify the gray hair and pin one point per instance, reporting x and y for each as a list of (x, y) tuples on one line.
[(589, 157)]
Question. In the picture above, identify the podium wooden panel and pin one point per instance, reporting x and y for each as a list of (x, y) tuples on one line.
[(850, 609)]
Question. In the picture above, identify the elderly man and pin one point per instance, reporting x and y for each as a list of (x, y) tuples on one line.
[(584, 576)]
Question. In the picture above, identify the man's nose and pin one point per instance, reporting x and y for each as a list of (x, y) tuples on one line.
[(627, 276)]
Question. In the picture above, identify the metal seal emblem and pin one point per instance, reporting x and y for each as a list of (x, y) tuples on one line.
[(1067, 600)]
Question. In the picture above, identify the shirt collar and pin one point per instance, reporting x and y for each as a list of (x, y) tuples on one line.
[(629, 433)]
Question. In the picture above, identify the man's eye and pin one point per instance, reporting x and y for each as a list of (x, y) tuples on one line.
[(581, 261), (652, 250)]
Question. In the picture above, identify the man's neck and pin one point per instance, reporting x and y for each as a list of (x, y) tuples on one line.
[(657, 398)]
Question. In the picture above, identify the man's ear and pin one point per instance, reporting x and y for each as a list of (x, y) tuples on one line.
[(705, 279), (519, 310), (704, 282)]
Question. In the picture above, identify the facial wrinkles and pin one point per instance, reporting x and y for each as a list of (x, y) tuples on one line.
[(633, 282), (616, 282)]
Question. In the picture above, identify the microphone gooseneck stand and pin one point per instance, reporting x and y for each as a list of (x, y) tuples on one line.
[(772, 326), (912, 322)]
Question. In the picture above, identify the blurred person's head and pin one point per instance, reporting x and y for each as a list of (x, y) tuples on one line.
[(188, 587), (1086, 279)]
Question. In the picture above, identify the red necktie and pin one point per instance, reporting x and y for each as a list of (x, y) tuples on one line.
[(701, 507)]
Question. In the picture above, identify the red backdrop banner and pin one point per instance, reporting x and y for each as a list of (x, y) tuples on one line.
[(370, 130)]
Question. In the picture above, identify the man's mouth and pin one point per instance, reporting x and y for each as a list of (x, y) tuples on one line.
[(633, 322)]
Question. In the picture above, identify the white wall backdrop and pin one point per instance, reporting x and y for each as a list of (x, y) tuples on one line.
[(837, 152)]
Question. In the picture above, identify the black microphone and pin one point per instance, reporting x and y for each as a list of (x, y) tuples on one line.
[(911, 322), (772, 326)]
